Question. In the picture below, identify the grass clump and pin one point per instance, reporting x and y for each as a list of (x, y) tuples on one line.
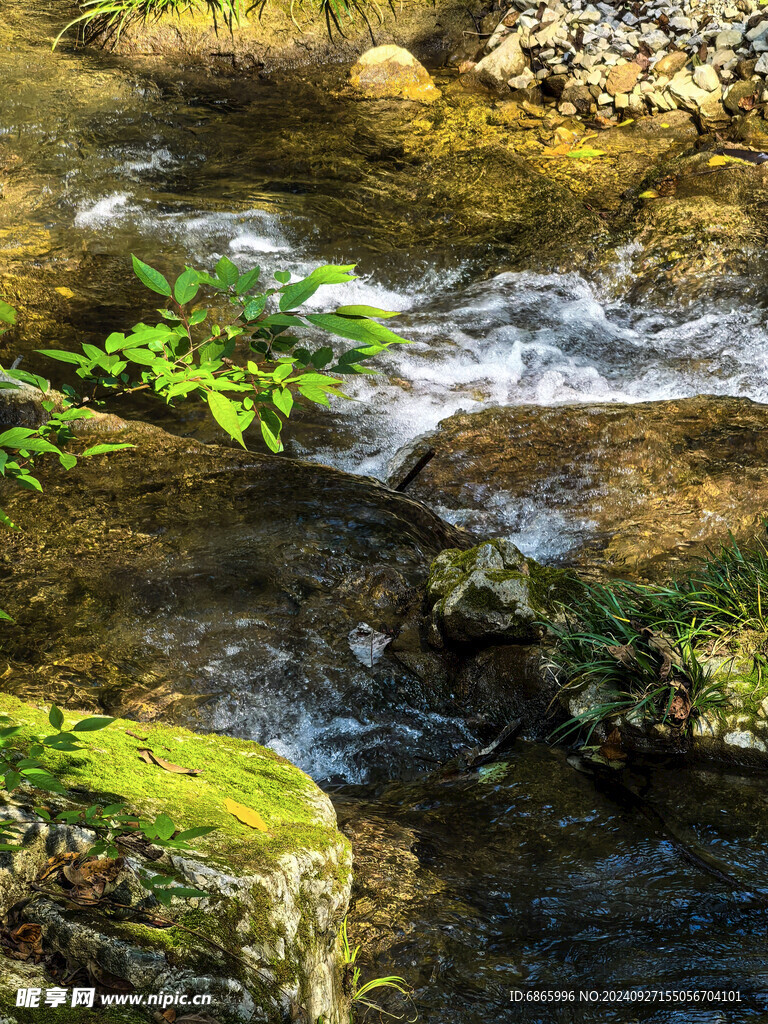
[(655, 654), (108, 19)]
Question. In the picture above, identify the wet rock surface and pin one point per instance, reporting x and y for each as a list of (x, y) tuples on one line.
[(647, 486), (392, 72), (203, 585)]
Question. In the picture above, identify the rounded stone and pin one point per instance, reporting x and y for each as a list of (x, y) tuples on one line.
[(391, 72)]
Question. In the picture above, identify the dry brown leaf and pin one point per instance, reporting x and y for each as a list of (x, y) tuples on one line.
[(151, 758), (23, 943), (55, 864), (612, 749), (246, 815)]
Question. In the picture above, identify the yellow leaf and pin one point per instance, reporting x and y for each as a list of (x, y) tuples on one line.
[(720, 160), (664, 124), (246, 815), (630, 120), (66, 292), (650, 193), (586, 154)]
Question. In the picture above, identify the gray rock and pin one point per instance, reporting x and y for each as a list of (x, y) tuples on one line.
[(505, 62), (491, 593)]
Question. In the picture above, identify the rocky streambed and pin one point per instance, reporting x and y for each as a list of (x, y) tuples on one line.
[(568, 314)]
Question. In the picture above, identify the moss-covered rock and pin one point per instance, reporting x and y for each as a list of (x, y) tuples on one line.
[(491, 594), (274, 900)]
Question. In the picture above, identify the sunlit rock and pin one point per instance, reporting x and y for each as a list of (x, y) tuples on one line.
[(391, 72)]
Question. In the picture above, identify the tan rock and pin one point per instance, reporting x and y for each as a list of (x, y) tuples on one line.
[(622, 78), (655, 483), (391, 72), (671, 64)]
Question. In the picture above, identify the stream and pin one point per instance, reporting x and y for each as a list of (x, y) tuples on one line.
[(521, 874)]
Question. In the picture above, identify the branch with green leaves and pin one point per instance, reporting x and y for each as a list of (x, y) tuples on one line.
[(250, 356)]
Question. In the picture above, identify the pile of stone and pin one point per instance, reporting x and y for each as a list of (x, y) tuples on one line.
[(706, 56)]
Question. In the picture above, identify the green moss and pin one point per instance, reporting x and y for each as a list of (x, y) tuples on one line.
[(109, 770)]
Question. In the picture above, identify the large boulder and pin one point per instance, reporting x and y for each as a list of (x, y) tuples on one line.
[(261, 938), (626, 489), (227, 590), (391, 72)]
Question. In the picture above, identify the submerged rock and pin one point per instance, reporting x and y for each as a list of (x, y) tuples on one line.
[(272, 904), (643, 487), (391, 72)]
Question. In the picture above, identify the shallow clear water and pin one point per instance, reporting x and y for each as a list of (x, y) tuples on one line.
[(525, 877)]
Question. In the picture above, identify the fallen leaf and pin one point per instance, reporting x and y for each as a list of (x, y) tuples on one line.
[(586, 154), (720, 160), (664, 124), (650, 193), (612, 749), (23, 943), (629, 120), (246, 815), (66, 293), (367, 644), (151, 758)]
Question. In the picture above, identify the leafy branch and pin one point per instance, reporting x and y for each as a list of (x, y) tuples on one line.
[(248, 365)]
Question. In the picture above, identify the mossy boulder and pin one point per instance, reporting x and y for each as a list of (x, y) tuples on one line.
[(274, 901), (491, 594)]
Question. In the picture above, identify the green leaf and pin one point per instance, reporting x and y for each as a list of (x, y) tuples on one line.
[(105, 449), (255, 307), (63, 356), (225, 414), (164, 826), (114, 342), (367, 331), (283, 276), (5, 617), (322, 357), (15, 437), (153, 279), (273, 442), (296, 294), (68, 461), (7, 522), (366, 311), (197, 317), (92, 724), (314, 394), (187, 286), (227, 272), (248, 281), (585, 154), (55, 717), (7, 313)]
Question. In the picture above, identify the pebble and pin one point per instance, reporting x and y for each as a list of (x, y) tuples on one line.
[(642, 57)]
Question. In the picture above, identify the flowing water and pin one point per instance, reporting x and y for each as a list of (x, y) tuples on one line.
[(524, 875)]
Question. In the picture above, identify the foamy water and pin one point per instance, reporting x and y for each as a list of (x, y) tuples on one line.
[(511, 339)]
